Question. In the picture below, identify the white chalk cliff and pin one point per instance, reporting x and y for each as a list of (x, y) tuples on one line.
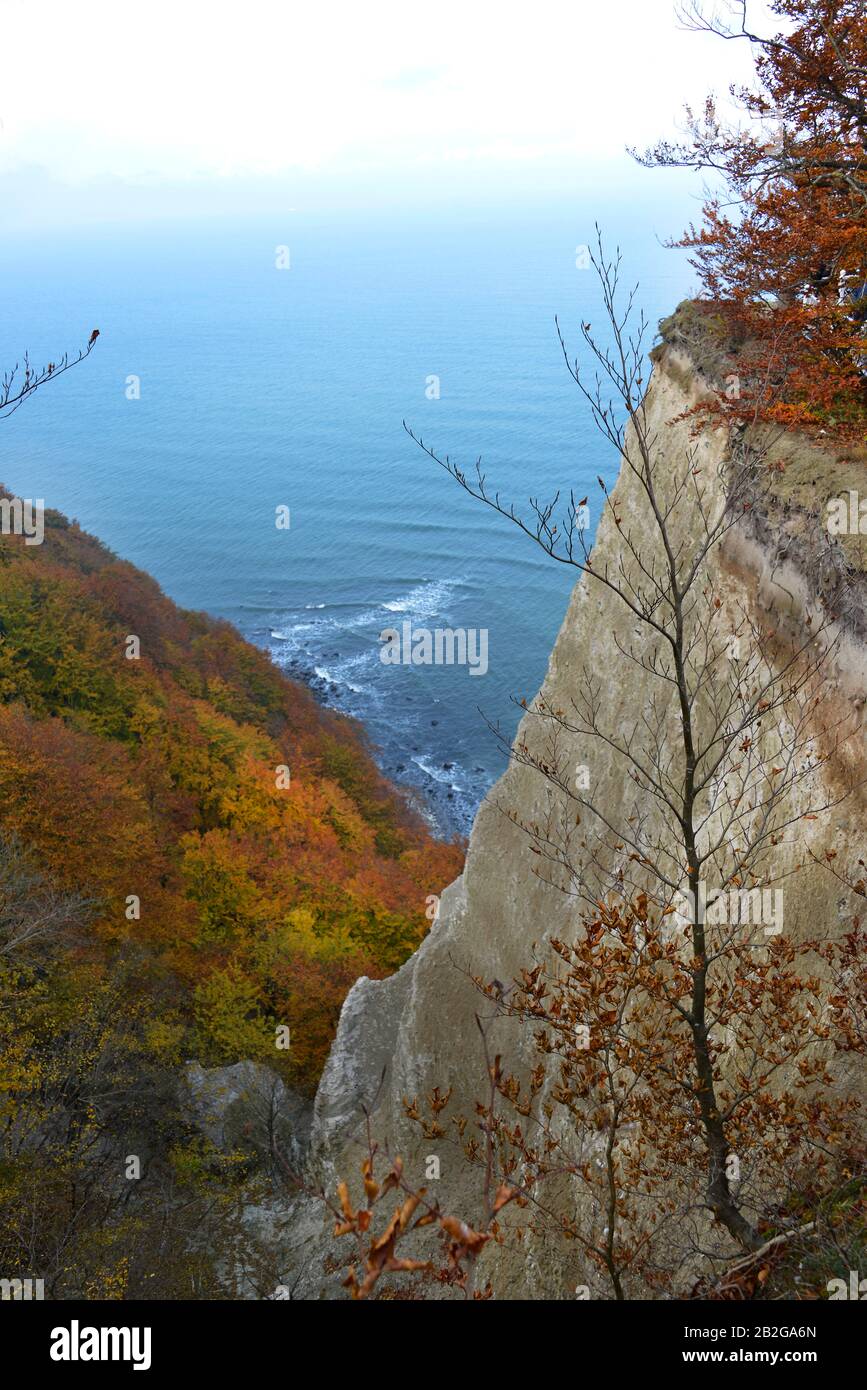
[(416, 1030)]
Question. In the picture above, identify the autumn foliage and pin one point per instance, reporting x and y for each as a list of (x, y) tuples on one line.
[(165, 897), (156, 777), (781, 251), (597, 1139)]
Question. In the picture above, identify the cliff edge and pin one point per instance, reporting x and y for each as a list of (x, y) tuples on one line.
[(403, 1036)]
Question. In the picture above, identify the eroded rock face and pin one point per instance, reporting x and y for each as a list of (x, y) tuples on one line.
[(405, 1035), (246, 1106)]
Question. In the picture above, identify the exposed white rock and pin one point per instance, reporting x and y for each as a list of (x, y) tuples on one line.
[(247, 1105), (404, 1035)]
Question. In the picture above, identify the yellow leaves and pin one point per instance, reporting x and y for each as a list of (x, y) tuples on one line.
[(230, 1019), (164, 1038), (110, 1283)]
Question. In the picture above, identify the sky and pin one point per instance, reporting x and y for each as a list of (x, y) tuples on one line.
[(112, 107)]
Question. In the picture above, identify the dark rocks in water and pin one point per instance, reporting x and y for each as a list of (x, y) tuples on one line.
[(447, 811)]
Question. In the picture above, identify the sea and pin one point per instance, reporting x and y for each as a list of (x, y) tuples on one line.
[(256, 369)]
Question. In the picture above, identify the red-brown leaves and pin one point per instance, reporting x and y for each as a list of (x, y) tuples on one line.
[(786, 273)]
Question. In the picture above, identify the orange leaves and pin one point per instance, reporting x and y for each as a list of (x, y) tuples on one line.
[(379, 1255), (503, 1196), (354, 1220), (371, 1187), (783, 280), (463, 1236), (438, 1100), (429, 1123), (156, 778), (346, 1205)]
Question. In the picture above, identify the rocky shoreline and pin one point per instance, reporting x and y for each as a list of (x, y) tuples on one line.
[(447, 807)]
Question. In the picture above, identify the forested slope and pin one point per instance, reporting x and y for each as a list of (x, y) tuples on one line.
[(193, 857)]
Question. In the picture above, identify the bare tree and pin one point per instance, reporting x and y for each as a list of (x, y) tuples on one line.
[(23, 379), (725, 754), (776, 148), (34, 914)]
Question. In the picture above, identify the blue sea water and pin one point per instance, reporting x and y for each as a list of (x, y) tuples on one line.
[(263, 387)]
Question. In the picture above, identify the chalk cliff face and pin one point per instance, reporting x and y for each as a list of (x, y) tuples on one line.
[(416, 1030)]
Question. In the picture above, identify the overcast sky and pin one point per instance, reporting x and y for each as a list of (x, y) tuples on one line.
[(171, 91)]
